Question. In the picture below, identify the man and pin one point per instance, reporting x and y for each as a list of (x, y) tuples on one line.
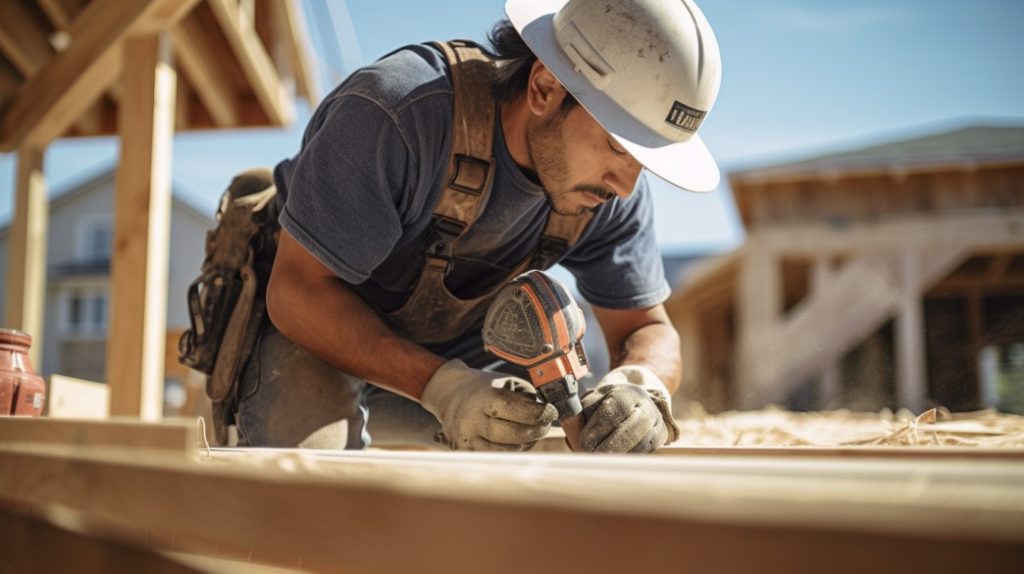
[(587, 94)]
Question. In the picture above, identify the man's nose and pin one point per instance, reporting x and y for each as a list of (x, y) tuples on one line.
[(621, 176)]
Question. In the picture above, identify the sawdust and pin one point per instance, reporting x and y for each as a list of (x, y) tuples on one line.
[(776, 427)]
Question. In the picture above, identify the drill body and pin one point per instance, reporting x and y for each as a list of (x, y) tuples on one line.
[(534, 322)]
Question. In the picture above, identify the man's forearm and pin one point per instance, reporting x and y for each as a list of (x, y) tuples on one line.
[(655, 346), (321, 313)]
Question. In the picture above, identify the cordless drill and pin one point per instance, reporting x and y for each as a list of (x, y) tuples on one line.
[(535, 323)]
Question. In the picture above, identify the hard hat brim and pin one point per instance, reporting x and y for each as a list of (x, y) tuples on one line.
[(686, 164)]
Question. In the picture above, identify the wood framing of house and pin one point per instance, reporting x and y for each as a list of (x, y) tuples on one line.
[(110, 67), (898, 262)]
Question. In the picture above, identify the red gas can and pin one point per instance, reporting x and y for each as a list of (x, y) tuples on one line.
[(22, 390)]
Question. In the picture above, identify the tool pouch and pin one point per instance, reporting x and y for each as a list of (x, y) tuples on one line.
[(227, 301)]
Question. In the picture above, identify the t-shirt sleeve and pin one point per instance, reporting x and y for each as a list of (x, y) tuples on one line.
[(346, 186), (618, 264)]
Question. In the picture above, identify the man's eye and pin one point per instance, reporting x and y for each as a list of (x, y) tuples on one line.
[(615, 151)]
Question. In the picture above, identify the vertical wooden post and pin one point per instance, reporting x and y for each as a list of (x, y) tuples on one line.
[(694, 373), (26, 271), (759, 304), (976, 331), (135, 347), (831, 385), (911, 388)]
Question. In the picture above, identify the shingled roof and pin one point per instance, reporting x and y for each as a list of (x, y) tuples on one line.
[(966, 147)]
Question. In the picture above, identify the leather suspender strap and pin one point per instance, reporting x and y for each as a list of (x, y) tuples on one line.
[(471, 162), (560, 234)]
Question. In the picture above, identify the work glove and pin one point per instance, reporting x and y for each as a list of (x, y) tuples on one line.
[(479, 410), (630, 410)]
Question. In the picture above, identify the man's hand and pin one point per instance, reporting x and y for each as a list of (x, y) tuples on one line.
[(485, 411), (629, 411)]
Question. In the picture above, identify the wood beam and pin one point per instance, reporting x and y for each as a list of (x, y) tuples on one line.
[(59, 14), (852, 515), (830, 389), (23, 39), (290, 35), (24, 43), (210, 84), (51, 100), (1000, 264), (135, 345), (911, 379), (987, 232), (9, 83), (958, 287), (759, 305), (254, 60), (177, 439), (26, 267)]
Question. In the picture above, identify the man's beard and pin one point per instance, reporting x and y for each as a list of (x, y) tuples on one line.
[(545, 148)]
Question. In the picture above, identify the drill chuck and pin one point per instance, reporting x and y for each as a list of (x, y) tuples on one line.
[(564, 394)]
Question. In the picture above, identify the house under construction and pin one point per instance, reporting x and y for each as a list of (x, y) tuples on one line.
[(868, 279)]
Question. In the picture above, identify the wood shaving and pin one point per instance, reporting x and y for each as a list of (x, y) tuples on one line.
[(776, 427)]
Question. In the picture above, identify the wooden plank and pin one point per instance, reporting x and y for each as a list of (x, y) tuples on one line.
[(50, 101), (23, 39), (456, 513), (254, 60), (290, 33), (210, 85), (895, 452), (32, 544), (830, 388), (26, 267), (759, 305), (59, 14), (135, 345), (987, 232), (71, 398), (176, 439), (31, 50)]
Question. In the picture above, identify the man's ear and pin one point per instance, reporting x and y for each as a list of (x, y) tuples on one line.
[(544, 93)]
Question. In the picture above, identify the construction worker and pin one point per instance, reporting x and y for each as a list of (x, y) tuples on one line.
[(377, 294)]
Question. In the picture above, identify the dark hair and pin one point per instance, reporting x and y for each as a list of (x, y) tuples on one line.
[(515, 60)]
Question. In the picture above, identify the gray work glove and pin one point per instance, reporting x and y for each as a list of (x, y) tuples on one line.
[(629, 411), (486, 411)]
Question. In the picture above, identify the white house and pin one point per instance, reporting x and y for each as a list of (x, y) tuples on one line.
[(78, 277)]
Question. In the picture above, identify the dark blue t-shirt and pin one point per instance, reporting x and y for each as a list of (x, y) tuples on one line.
[(359, 196)]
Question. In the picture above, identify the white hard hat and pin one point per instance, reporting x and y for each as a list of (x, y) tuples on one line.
[(647, 70)]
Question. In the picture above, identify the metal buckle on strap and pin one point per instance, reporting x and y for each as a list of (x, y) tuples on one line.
[(439, 248), (550, 249), (470, 174)]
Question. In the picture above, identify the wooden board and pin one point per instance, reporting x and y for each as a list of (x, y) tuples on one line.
[(173, 439), (142, 211), (71, 398), (26, 266), (466, 512)]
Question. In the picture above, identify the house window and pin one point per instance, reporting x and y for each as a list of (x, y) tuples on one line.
[(86, 312), (95, 237), (75, 312), (98, 312)]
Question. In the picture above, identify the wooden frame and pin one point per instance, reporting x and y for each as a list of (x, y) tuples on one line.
[(71, 81), (239, 29)]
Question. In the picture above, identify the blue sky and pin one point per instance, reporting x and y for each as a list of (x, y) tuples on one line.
[(802, 77)]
